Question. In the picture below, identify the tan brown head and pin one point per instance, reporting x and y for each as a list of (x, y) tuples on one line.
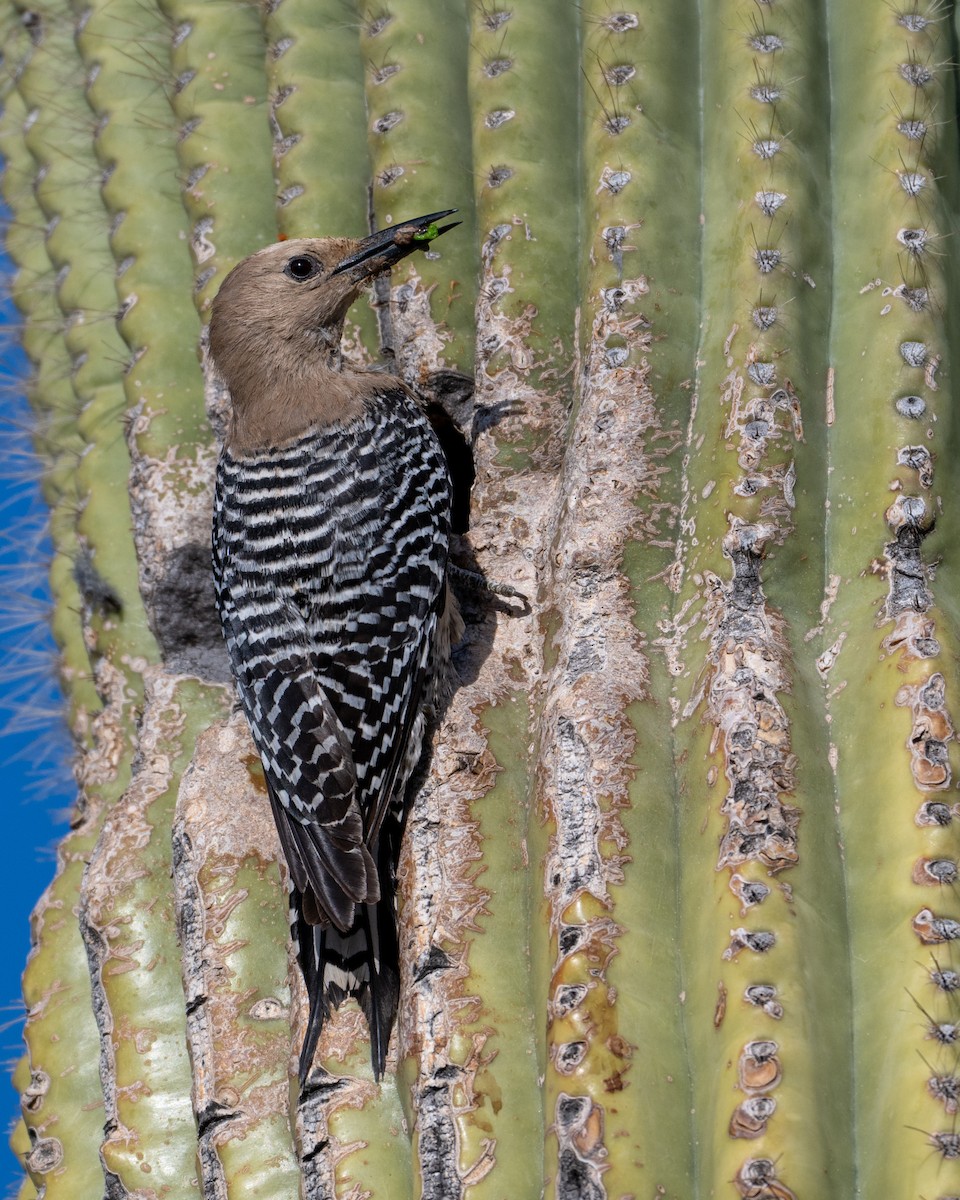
[(276, 324)]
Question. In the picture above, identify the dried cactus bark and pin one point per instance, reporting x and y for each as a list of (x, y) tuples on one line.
[(678, 911)]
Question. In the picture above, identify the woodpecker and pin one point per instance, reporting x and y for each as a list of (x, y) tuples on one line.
[(331, 535)]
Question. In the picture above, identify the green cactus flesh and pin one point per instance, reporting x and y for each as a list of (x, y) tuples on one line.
[(677, 897)]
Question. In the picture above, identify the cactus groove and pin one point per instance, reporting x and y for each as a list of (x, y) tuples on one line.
[(679, 907)]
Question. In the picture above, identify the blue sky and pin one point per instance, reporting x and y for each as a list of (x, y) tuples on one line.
[(34, 744)]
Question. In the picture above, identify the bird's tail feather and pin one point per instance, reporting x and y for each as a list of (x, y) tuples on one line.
[(363, 962)]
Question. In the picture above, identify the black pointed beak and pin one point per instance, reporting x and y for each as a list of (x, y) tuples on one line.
[(387, 246)]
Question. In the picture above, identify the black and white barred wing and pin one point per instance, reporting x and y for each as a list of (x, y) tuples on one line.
[(312, 781), (385, 676)]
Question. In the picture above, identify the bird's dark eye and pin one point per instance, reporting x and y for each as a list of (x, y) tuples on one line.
[(301, 267)]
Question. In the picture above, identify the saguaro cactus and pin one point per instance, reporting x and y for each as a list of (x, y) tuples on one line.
[(678, 908)]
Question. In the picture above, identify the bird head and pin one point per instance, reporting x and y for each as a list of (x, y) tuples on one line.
[(276, 323), (298, 292)]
